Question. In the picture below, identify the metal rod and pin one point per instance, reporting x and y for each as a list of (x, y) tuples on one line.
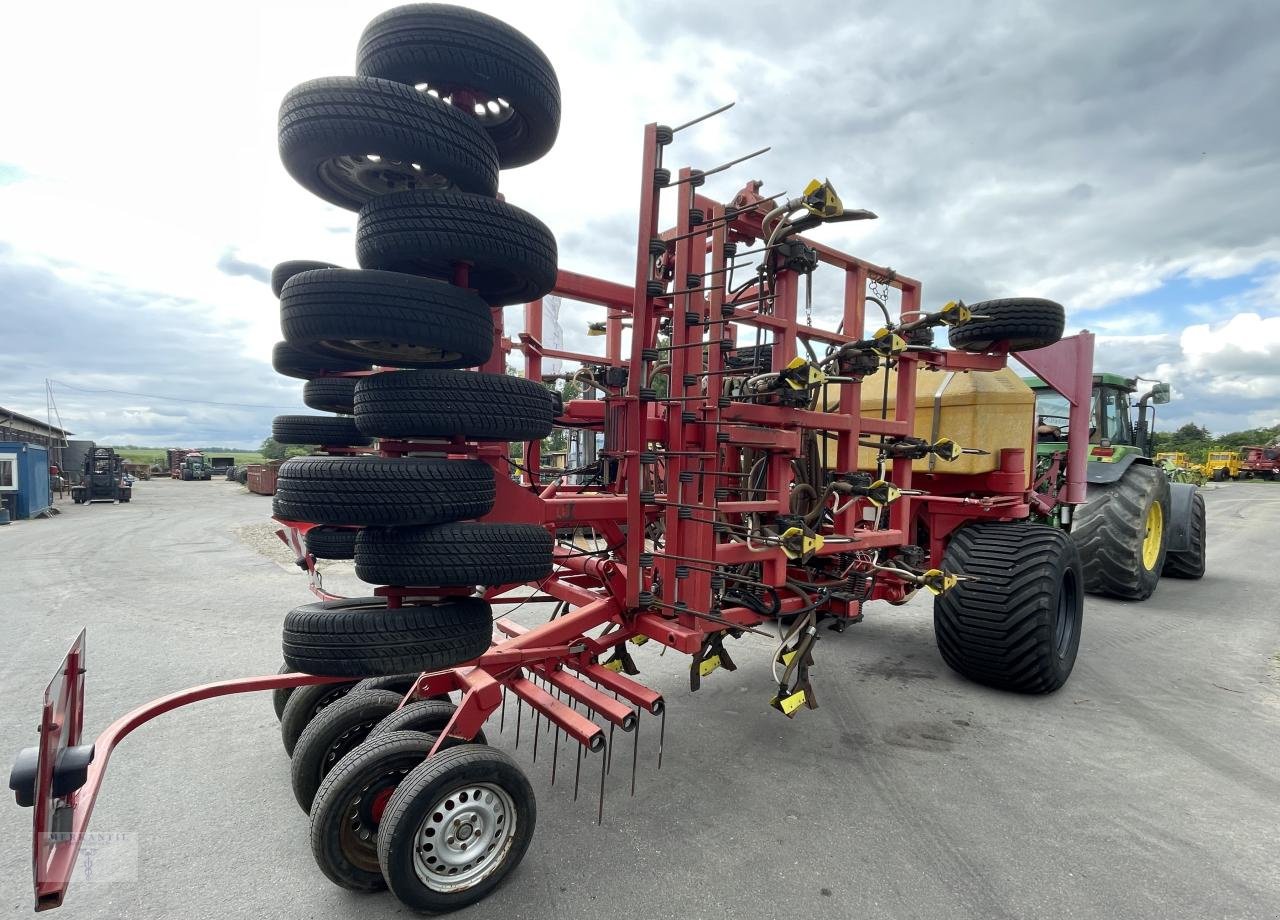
[(723, 166), (608, 751), (555, 757), (519, 719), (689, 124), (577, 773), (502, 716), (662, 735), (537, 723), (604, 762), (635, 754)]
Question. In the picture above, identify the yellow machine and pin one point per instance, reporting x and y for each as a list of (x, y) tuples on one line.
[(1222, 465), (990, 411), (1178, 458)]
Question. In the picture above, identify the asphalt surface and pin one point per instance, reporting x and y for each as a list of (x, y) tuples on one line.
[(1148, 787)]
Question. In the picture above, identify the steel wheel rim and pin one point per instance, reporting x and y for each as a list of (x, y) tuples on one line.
[(344, 744), (490, 111), (1153, 536), (385, 354), (359, 178), (358, 832), (464, 837)]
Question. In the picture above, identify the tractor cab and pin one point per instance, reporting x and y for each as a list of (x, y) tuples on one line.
[(1111, 425)]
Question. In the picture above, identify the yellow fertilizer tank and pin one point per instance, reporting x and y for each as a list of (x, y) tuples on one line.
[(991, 410)]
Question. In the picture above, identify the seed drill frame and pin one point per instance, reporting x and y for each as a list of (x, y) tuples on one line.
[(673, 458)]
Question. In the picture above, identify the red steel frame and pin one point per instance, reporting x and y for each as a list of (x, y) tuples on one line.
[(671, 456)]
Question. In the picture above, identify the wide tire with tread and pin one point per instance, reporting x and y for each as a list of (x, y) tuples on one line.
[(430, 716), (286, 270), (448, 47), (333, 733), (348, 806), (386, 318), (1190, 562), (383, 492), (321, 430), (511, 255), (1016, 625), (452, 776), (1110, 528), (331, 542), (452, 555), (331, 127), (362, 636), (330, 394), (1015, 323), (447, 404)]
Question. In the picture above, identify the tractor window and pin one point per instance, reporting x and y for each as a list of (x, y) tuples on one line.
[(1052, 415), (1113, 415)]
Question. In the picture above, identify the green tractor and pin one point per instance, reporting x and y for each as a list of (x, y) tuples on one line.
[(1136, 523)]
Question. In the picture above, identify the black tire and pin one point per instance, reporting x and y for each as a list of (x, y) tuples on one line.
[(1013, 324), (386, 318), (333, 734), (922, 337), (330, 394), (323, 430), (442, 47), (304, 704), (1017, 625), (503, 817), (430, 716), (1189, 563), (294, 362), (512, 255), (331, 542), (1220, 474), (453, 555), (399, 684), (330, 127), (446, 404), (347, 807), (286, 270), (280, 696), (1110, 530), (361, 636), (242, 475), (376, 492)]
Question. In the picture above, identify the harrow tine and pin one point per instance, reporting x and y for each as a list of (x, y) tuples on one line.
[(555, 757), (608, 751), (722, 167), (577, 773), (519, 719), (635, 754), (701, 118), (537, 723), (604, 763), (662, 734), (502, 716)]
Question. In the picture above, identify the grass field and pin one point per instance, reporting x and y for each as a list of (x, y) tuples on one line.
[(156, 455)]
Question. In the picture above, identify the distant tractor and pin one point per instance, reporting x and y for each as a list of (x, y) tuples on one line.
[(194, 467), (1179, 467), (1222, 465), (1261, 461), (1137, 523), (103, 479)]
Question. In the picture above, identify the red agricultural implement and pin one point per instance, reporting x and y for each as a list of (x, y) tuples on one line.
[(1261, 461), (756, 474)]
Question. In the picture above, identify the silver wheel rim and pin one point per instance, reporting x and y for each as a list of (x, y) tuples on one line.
[(465, 837)]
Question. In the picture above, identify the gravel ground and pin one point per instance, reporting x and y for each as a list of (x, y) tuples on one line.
[(1147, 787)]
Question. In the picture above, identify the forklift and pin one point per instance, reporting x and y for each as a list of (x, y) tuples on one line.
[(103, 479)]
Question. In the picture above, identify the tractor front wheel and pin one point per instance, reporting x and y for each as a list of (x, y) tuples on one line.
[(1122, 531), (455, 827), (1016, 625)]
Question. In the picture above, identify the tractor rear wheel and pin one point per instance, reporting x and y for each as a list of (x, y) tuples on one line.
[(511, 255), (1122, 533), (456, 825), (348, 808), (373, 491), (359, 637), (1016, 626), (1015, 323), (332, 735), (447, 404), (1189, 563)]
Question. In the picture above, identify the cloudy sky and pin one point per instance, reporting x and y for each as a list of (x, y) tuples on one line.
[(1121, 158)]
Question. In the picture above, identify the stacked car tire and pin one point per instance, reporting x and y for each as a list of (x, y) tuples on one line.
[(442, 99)]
